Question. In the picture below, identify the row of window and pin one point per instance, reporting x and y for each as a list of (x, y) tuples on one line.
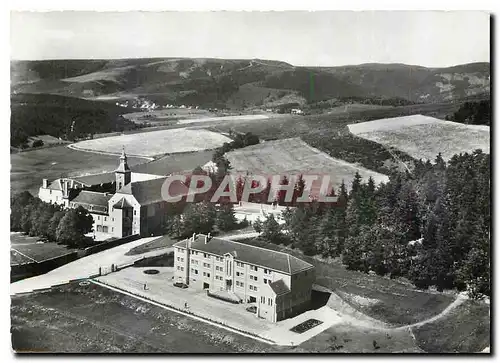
[(180, 268), (240, 284), (253, 288), (269, 300), (207, 265), (267, 281), (195, 271), (206, 274), (253, 278), (104, 229), (219, 268), (180, 259)]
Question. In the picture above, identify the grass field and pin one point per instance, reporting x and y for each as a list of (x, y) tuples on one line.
[(156, 143), (162, 242), (93, 319), (294, 156), (424, 137), (25, 249), (466, 329), (29, 168), (175, 163)]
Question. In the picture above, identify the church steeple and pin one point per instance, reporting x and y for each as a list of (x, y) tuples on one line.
[(122, 173)]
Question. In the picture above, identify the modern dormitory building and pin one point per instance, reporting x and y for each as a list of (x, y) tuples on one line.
[(278, 284)]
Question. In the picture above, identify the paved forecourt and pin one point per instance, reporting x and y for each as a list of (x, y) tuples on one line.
[(159, 288)]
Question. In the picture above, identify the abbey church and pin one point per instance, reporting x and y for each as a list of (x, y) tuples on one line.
[(122, 202)]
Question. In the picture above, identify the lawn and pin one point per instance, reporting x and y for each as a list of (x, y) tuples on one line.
[(154, 143), (349, 339), (162, 242), (93, 319), (424, 137), (29, 168), (465, 329), (391, 301), (294, 156), (42, 251)]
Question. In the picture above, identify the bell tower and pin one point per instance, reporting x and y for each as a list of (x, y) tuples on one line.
[(122, 174)]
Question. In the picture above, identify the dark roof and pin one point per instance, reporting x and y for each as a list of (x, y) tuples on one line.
[(257, 256), (150, 191), (86, 197), (279, 287), (122, 203), (95, 179)]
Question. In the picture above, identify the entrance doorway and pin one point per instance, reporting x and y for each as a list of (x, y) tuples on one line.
[(206, 286), (229, 283)]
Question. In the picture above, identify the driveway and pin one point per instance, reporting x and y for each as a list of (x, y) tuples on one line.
[(84, 267)]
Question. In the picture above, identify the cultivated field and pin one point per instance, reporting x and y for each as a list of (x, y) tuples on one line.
[(293, 157), (424, 137), (154, 143), (29, 168)]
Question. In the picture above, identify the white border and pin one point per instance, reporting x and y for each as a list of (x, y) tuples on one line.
[(155, 5)]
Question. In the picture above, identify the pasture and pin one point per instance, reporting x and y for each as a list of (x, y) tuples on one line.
[(155, 143), (424, 137), (294, 157), (29, 168)]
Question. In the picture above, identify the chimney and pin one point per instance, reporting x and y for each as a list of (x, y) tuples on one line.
[(208, 238), (45, 183)]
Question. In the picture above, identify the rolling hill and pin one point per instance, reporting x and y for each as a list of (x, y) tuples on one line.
[(219, 82), (60, 116)]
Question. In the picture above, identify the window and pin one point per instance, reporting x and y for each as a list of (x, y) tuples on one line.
[(135, 212), (178, 267), (207, 265), (217, 277), (218, 268), (269, 301), (113, 219), (262, 300), (205, 255), (98, 218), (240, 284), (206, 274), (253, 277), (105, 219), (265, 281), (196, 272), (112, 229), (239, 264), (178, 258), (239, 273), (253, 288), (253, 268), (266, 271)]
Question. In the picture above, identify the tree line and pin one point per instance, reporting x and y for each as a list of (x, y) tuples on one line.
[(49, 221), (431, 226), (473, 113)]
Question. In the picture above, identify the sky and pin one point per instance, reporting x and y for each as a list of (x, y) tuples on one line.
[(323, 38)]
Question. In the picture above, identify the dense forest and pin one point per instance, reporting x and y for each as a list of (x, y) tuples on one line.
[(474, 113), (65, 117), (431, 226)]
